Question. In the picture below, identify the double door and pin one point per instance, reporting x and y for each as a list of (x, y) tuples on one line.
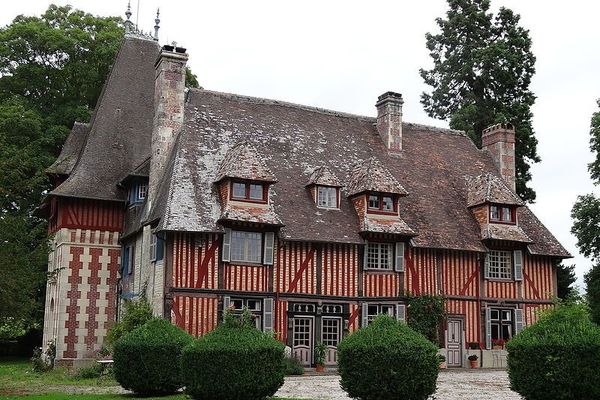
[(305, 336)]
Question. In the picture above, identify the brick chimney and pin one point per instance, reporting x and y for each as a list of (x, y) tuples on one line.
[(389, 120), (499, 140), (169, 97)]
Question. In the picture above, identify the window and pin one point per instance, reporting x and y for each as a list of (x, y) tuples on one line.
[(153, 244), (138, 192), (499, 265), (327, 197), (142, 191), (373, 310), (501, 324), (157, 248), (381, 203), (379, 256), (246, 246), (249, 191), (254, 306), (502, 214)]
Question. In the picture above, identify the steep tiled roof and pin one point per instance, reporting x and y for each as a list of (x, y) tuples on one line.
[(489, 188), (294, 140), (394, 226), (71, 150), (371, 176), (512, 233), (323, 176), (244, 162), (121, 127)]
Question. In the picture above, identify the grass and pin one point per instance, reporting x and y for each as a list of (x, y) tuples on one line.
[(18, 381)]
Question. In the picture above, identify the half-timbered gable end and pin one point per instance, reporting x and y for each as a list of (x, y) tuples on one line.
[(315, 221)]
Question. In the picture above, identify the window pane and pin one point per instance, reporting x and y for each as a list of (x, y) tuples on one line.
[(256, 191), (238, 304), (142, 190), (506, 315), (237, 246), (495, 331), (327, 197), (506, 214), (373, 202), (254, 305), (495, 315), (253, 246), (239, 190), (494, 213), (500, 264), (506, 331), (387, 309), (388, 204)]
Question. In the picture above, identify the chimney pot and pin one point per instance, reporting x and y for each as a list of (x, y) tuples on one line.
[(499, 141)]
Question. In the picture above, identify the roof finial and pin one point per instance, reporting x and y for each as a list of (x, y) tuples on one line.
[(156, 24), (128, 24)]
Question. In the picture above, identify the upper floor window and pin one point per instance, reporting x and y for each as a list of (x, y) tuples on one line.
[(142, 191), (327, 196), (381, 203), (246, 246), (249, 191), (502, 214), (156, 248), (499, 264), (138, 192), (379, 255)]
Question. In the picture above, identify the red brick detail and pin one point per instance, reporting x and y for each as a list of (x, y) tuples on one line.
[(93, 295), (71, 324), (111, 282)]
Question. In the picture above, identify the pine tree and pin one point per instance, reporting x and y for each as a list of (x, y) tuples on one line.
[(482, 69)]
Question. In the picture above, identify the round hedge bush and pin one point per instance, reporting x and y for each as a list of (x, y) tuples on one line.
[(387, 360), (558, 357), (233, 362), (147, 359)]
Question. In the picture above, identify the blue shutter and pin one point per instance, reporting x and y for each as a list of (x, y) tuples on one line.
[(125, 261), (160, 248)]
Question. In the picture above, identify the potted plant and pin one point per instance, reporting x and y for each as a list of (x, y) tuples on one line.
[(473, 360), (442, 360), (498, 344), (474, 346), (320, 350)]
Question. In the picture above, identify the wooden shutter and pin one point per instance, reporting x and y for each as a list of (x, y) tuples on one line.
[(401, 312), (125, 261), (365, 251), (268, 253), (226, 256), (519, 324), (399, 264), (226, 304), (488, 328), (486, 266), (518, 261), (160, 249), (268, 315), (365, 314)]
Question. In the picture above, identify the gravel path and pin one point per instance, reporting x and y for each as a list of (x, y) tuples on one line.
[(452, 385)]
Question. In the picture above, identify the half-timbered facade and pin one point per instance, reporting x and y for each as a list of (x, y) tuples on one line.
[(315, 221)]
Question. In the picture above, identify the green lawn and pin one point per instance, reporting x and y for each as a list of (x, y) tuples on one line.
[(18, 381)]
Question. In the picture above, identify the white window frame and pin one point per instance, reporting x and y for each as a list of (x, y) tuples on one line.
[(245, 237), (382, 309), (500, 265), (142, 191), (153, 245), (378, 264), (257, 311), (324, 197)]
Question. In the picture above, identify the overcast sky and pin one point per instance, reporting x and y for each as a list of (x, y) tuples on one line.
[(343, 54)]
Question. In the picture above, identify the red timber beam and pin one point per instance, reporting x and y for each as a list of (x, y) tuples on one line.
[(303, 266), (414, 276), (353, 318), (208, 256), (536, 293)]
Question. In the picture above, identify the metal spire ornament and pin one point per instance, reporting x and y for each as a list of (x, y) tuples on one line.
[(128, 24), (156, 24)]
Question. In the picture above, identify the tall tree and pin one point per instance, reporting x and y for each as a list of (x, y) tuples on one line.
[(586, 222), (482, 69), (565, 278)]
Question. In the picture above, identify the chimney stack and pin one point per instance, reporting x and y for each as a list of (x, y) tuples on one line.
[(499, 140), (169, 98), (389, 120)]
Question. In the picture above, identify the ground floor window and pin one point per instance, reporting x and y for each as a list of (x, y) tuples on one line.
[(254, 306), (502, 324), (373, 310)]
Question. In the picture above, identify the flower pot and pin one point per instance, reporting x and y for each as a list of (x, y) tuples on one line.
[(473, 363), (496, 347), (443, 365), (320, 368)]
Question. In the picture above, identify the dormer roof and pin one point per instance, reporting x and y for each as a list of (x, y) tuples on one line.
[(511, 233), (489, 188), (242, 161), (323, 176), (372, 176)]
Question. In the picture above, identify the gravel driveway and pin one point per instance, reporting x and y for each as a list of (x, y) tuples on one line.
[(452, 385)]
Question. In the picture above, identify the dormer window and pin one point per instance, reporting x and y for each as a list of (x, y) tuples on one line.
[(138, 192), (327, 197), (502, 214), (383, 203), (142, 191), (249, 191)]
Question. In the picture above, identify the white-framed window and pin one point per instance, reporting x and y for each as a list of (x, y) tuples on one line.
[(153, 246), (373, 310), (254, 306), (499, 264), (374, 202), (246, 246), (327, 197), (142, 191), (239, 190), (256, 191), (379, 256)]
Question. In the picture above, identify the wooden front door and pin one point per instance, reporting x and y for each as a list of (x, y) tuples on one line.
[(454, 343), (302, 332), (331, 334)]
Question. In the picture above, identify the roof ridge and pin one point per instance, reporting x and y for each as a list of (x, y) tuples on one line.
[(436, 129)]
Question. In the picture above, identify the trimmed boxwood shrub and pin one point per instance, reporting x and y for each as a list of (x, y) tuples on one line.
[(558, 357), (147, 360), (387, 360), (233, 362)]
